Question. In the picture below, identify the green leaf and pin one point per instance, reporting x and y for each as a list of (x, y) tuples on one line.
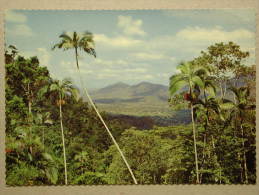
[(227, 105), (47, 157), (52, 174), (197, 80), (30, 156), (43, 91), (54, 87), (75, 94), (176, 86)]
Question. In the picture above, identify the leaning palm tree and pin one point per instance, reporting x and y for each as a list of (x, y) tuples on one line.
[(189, 76), (85, 42), (62, 89)]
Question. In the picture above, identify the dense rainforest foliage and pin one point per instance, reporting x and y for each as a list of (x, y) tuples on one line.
[(217, 146)]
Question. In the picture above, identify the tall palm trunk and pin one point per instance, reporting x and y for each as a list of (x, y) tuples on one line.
[(98, 114), (30, 116), (244, 154), (43, 139), (203, 156), (63, 138), (195, 149)]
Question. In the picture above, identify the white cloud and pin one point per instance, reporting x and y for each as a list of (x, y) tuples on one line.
[(65, 64), (190, 41), (12, 16), (214, 34), (110, 63), (136, 70), (130, 26), (152, 56), (42, 54), (20, 30), (226, 16), (164, 75), (115, 69), (184, 45), (127, 70), (120, 41), (147, 76), (102, 68)]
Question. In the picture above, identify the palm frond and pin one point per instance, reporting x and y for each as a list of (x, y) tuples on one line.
[(175, 78), (210, 87), (184, 67), (177, 86), (196, 80), (43, 91), (54, 87), (226, 104), (66, 37), (75, 93), (67, 81), (90, 51), (65, 45), (87, 43)]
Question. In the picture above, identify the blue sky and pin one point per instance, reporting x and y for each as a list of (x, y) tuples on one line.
[(132, 46)]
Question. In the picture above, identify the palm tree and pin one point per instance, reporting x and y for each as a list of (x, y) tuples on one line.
[(189, 76), (239, 107), (205, 110), (62, 89), (85, 42)]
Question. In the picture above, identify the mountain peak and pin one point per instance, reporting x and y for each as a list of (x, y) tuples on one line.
[(115, 86), (149, 84), (143, 83)]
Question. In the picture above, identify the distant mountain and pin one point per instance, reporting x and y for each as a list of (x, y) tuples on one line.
[(122, 92), (144, 98)]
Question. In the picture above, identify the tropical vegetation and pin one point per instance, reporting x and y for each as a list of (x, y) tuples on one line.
[(54, 136)]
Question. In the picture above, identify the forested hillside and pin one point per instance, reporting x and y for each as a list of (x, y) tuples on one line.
[(216, 145)]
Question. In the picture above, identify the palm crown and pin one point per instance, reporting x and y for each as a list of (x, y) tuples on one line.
[(190, 75), (64, 88), (77, 41)]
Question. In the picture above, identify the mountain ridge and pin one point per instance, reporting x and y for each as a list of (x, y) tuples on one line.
[(144, 98)]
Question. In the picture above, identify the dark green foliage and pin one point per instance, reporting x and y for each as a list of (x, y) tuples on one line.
[(225, 130)]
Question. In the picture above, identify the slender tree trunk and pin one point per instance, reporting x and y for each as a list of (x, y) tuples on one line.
[(63, 138), (29, 107), (195, 149), (244, 154), (30, 116), (43, 138), (241, 167), (238, 154), (236, 126), (76, 53), (100, 117), (30, 124), (203, 155)]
